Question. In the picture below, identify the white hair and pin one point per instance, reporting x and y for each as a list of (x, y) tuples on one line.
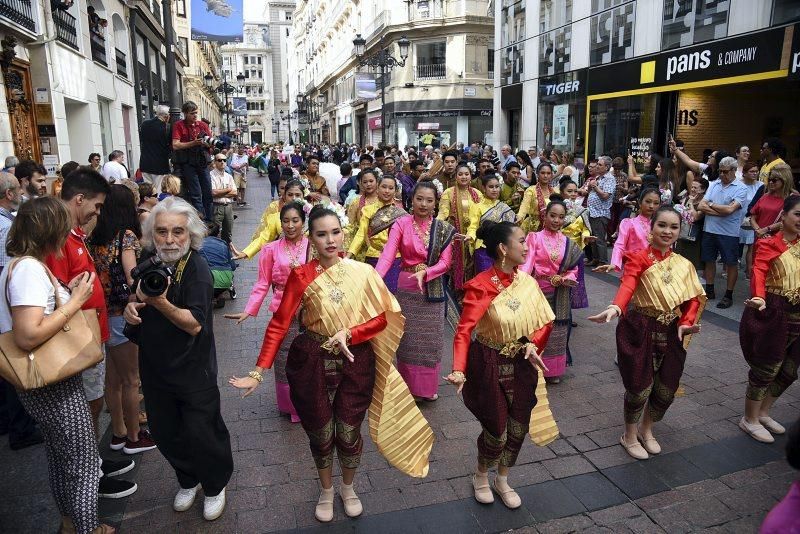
[(175, 206), (162, 110), (606, 160), (728, 163)]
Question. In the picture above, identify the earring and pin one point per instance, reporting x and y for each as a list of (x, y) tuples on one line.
[(503, 263), (650, 238)]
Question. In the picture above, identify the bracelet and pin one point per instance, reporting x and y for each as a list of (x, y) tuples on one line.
[(535, 348), (348, 335), (616, 309), (65, 314), (460, 375), (256, 376)]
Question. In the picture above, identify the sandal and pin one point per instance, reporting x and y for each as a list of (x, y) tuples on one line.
[(483, 494)]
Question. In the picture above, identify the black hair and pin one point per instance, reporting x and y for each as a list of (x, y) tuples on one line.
[(488, 177), (703, 183), (318, 212), (117, 216), (511, 164), (452, 153), (664, 209), (426, 185), (69, 167), (542, 165), (793, 445), (94, 155), (84, 181), (526, 159), (463, 164), (294, 183), (26, 168), (417, 162), (654, 161), (565, 181), (345, 169), (790, 202), (483, 160), (310, 157), (493, 234), (213, 229), (556, 200), (365, 172), (387, 177), (776, 146), (294, 205), (365, 157), (650, 188), (379, 153)]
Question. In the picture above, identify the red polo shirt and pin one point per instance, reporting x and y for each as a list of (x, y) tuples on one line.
[(74, 260), (185, 132)]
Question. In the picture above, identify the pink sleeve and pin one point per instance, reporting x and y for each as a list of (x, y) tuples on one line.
[(261, 287), (530, 259), (572, 274), (442, 266), (390, 249), (621, 244)]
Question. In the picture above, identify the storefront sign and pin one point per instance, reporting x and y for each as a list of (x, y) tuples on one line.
[(560, 124), (428, 126), (445, 113), (555, 88), (375, 123), (640, 148), (794, 57), (725, 58), (470, 91)]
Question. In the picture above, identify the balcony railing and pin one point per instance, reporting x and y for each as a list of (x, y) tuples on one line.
[(436, 71), (66, 28), (122, 62), (98, 48), (19, 11)]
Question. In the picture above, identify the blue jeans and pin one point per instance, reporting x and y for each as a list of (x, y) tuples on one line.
[(198, 189)]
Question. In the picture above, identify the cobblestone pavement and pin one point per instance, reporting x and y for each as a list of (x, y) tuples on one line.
[(710, 476)]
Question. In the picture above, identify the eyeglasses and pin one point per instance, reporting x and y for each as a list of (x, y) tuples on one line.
[(773, 180), (222, 159)]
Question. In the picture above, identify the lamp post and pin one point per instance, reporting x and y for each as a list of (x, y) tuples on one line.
[(386, 62), (226, 89), (302, 107)]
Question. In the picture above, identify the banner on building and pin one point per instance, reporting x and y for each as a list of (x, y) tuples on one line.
[(366, 87), (217, 20), (239, 106)]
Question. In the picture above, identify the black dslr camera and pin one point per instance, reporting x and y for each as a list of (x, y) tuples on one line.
[(152, 276), (213, 142)]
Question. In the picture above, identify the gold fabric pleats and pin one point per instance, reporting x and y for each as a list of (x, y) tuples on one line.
[(784, 273)]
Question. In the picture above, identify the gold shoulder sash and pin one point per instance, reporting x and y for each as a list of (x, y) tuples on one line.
[(396, 424), (520, 309), (784, 273)]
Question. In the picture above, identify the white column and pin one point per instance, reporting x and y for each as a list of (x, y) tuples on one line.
[(462, 130), (530, 106)]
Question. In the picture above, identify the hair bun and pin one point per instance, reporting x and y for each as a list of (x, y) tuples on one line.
[(485, 230), (555, 197)]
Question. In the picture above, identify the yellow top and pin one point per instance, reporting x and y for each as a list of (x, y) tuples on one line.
[(274, 207), (577, 231), (466, 205), (476, 212), (763, 174), (375, 243), (354, 216), (783, 275), (272, 231), (655, 293), (529, 209), (396, 424)]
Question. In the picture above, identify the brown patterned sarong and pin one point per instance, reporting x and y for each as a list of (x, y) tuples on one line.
[(651, 360), (283, 352), (331, 396), (771, 346), (424, 332), (500, 392)]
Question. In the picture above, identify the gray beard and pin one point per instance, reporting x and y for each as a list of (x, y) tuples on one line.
[(172, 257)]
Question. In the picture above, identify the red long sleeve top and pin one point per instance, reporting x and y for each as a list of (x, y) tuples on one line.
[(637, 263), (766, 251), (299, 280), (478, 296)]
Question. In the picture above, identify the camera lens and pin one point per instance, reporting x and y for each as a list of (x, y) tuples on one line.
[(154, 284)]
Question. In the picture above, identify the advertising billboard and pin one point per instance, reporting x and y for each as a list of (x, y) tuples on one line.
[(217, 20)]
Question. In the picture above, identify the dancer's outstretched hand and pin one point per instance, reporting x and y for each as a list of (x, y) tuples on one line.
[(604, 316), (685, 330), (536, 360), (457, 379)]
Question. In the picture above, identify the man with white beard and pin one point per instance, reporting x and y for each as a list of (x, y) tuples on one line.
[(177, 357)]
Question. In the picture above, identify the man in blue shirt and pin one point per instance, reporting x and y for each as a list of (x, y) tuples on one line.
[(723, 206), (218, 255)]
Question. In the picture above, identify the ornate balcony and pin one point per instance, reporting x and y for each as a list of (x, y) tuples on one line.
[(19, 11)]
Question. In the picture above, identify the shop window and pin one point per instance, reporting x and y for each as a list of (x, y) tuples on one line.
[(555, 51), (612, 31), (512, 64), (513, 21), (554, 14), (688, 22), (784, 11), (619, 125)]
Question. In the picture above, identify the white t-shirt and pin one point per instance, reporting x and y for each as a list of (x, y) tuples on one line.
[(29, 286), (114, 172)]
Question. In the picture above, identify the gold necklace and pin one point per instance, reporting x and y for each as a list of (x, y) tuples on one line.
[(794, 250), (294, 256), (666, 274), (555, 253), (511, 302), (333, 282), (424, 236)]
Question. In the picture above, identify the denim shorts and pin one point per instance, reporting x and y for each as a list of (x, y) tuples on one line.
[(116, 323), (94, 379), (725, 246)]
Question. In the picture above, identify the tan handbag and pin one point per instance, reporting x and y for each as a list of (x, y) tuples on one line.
[(70, 351)]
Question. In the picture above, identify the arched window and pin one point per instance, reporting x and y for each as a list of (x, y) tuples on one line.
[(121, 45)]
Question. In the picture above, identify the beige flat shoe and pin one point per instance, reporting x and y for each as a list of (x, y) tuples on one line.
[(509, 497), (772, 425), (352, 504), (483, 494), (649, 444), (757, 431), (324, 510), (635, 449)]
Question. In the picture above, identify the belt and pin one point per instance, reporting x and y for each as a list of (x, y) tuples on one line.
[(509, 349), (664, 318), (415, 268), (792, 295)]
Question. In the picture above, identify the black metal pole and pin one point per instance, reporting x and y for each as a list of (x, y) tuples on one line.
[(172, 73)]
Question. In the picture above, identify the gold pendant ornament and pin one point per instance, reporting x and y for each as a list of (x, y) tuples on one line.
[(666, 276), (336, 295), (513, 303), (554, 256)]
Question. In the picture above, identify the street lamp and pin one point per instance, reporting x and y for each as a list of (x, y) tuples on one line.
[(225, 89), (386, 62)]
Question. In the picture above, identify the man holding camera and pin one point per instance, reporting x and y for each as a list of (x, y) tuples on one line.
[(191, 158), (172, 324)]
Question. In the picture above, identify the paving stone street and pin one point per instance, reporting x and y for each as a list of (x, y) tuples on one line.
[(710, 477)]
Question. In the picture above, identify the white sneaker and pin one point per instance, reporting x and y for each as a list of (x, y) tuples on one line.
[(214, 506), (184, 499)]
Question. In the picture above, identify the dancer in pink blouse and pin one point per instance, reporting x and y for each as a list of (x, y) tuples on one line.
[(553, 260), (275, 262), (633, 232), (424, 244)]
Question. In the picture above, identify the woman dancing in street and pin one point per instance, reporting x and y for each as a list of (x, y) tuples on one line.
[(770, 328), (667, 300), (488, 209), (425, 246), (497, 370), (553, 261), (577, 228), (276, 261), (341, 364), (367, 196), (373, 229), (454, 207), (634, 232), (534, 201)]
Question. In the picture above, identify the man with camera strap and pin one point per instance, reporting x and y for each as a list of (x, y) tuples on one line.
[(191, 157)]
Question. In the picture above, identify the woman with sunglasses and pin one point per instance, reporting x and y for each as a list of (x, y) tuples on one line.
[(765, 213)]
